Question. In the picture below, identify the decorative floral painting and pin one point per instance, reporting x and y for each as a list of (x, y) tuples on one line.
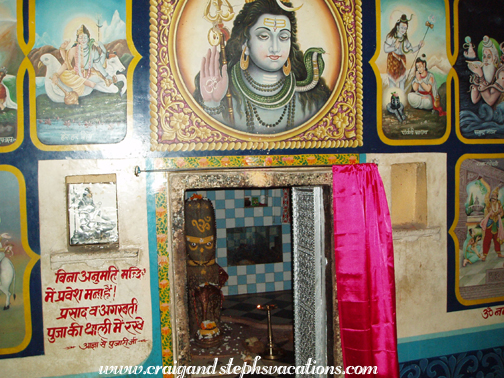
[(255, 74), (412, 68)]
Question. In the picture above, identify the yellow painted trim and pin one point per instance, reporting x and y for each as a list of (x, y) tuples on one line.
[(29, 267), (379, 91), (121, 146), (463, 301), (25, 47)]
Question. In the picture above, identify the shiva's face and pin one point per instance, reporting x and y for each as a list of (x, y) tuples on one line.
[(83, 39), (402, 29), (270, 42)]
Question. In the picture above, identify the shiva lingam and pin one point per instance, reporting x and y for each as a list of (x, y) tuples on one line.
[(272, 351), (205, 277)]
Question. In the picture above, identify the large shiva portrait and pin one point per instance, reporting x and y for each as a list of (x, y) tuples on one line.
[(255, 74)]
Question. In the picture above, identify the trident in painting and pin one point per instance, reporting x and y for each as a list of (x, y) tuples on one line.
[(216, 12), (430, 25)]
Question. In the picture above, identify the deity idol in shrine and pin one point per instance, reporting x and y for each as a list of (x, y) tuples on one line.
[(205, 277)]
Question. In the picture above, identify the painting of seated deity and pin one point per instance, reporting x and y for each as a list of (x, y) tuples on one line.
[(480, 72), (256, 74), (82, 71), (412, 67)]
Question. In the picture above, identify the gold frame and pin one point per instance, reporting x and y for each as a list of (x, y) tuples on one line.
[(178, 123)]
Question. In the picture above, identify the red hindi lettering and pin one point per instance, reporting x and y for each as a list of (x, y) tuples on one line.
[(56, 333), (118, 323), (487, 312), (137, 325), (132, 272), (93, 311), (105, 327), (63, 313), (49, 295), (91, 329), (499, 311), (75, 330)]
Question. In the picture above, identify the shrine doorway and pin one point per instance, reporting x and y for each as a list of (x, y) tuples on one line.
[(264, 180)]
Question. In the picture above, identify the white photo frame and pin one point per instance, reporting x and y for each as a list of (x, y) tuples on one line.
[(92, 211)]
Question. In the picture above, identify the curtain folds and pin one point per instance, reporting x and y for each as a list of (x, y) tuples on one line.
[(364, 258)]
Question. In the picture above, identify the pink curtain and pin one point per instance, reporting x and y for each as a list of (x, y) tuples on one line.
[(364, 258)]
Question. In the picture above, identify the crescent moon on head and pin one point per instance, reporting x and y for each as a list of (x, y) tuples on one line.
[(286, 8)]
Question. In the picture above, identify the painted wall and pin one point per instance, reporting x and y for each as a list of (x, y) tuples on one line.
[(438, 334)]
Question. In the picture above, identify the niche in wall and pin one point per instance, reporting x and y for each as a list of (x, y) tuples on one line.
[(264, 262), (409, 195), (178, 186)]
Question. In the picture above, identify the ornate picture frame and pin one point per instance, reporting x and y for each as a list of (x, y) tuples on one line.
[(180, 39)]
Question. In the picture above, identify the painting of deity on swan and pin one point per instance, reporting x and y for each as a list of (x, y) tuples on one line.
[(81, 66), (257, 74)]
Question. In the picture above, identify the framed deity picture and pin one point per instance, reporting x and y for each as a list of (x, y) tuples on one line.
[(81, 73), (477, 230), (413, 67), (257, 74), (92, 212), (480, 72)]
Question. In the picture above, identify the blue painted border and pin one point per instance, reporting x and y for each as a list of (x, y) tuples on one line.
[(445, 343)]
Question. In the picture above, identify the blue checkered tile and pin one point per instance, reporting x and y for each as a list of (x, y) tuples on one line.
[(230, 213)]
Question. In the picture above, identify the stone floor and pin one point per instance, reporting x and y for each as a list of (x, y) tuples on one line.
[(243, 323), (245, 306)]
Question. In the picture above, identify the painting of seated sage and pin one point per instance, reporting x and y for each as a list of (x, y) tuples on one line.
[(480, 72)]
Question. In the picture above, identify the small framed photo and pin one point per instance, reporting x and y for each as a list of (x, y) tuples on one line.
[(92, 212)]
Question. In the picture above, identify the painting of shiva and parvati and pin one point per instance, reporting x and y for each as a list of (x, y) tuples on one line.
[(412, 69)]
